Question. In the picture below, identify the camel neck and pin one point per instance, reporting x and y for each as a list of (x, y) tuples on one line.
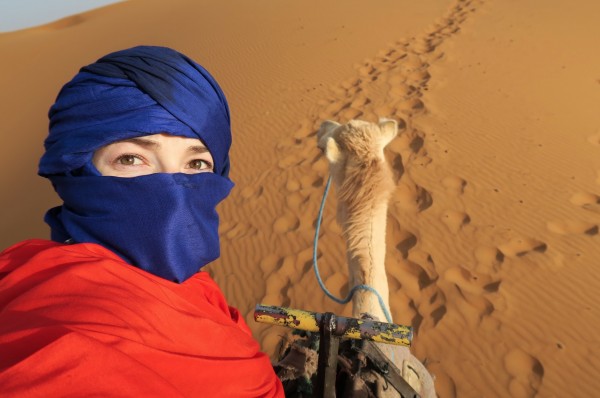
[(364, 229)]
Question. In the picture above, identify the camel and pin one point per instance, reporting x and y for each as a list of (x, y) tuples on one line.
[(364, 183)]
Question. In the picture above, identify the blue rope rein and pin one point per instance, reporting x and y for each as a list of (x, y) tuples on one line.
[(316, 267)]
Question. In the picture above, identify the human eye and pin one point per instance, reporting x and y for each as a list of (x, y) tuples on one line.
[(200, 165), (128, 160)]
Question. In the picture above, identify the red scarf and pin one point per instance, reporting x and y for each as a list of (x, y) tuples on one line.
[(76, 320)]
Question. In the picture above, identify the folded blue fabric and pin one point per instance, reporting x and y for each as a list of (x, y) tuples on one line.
[(140, 91), (165, 224)]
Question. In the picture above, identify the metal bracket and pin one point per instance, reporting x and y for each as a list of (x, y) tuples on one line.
[(331, 330), (328, 358), (389, 371)]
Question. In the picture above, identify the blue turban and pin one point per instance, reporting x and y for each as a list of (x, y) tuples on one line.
[(165, 224), (140, 91)]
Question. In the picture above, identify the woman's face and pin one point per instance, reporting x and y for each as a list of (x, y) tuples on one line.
[(157, 153)]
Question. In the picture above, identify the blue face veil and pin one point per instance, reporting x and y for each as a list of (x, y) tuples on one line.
[(165, 224)]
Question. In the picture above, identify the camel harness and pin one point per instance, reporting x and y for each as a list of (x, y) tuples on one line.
[(331, 329)]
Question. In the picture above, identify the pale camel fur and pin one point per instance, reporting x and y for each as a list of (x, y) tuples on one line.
[(364, 183)]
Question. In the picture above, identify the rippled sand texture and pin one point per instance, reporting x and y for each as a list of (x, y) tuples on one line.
[(493, 245)]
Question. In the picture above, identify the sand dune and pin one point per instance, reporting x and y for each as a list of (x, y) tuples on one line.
[(493, 241)]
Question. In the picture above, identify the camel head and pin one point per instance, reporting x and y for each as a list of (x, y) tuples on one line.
[(357, 143), (357, 163)]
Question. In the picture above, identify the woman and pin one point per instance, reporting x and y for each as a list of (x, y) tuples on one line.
[(115, 304)]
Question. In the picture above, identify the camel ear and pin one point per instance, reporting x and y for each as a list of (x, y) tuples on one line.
[(389, 129), (327, 127), (332, 151)]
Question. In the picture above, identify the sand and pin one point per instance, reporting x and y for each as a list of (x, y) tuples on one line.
[(492, 238)]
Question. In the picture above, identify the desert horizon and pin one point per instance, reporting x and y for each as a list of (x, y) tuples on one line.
[(492, 241)]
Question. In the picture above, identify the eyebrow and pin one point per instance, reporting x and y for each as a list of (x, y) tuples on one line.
[(143, 142), (198, 149), (146, 143)]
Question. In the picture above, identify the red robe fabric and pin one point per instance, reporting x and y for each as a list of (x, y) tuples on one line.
[(75, 320)]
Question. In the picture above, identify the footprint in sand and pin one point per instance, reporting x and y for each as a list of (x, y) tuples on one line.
[(526, 373), (473, 287), (304, 262), (410, 147), (411, 106), (454, 185), (385, 110), (295, 200), (366, 70), (418, 77), (425, 261), (413, 287), (449, 30), (311, 181), (335, 107), (239, 230), (437, 301), (403, 141), (304, 131), (418, 277), (397, 166), (488, 258), (289, 161), (395, 76), (521, 246), (351, 83), (406, 241), (409, 196), (418, 293), (413, 277), (417, 142), (395, 56), (455, 220), (269, 263), (429, 311), (477, 309), (348, 114), (277, 286), (286, 223), (572, 227), (320, 165), (292, 185), (359, 101), (587, 200), (424, 45), (251, 191), (402, 89), (412, 63), (471, 282)]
